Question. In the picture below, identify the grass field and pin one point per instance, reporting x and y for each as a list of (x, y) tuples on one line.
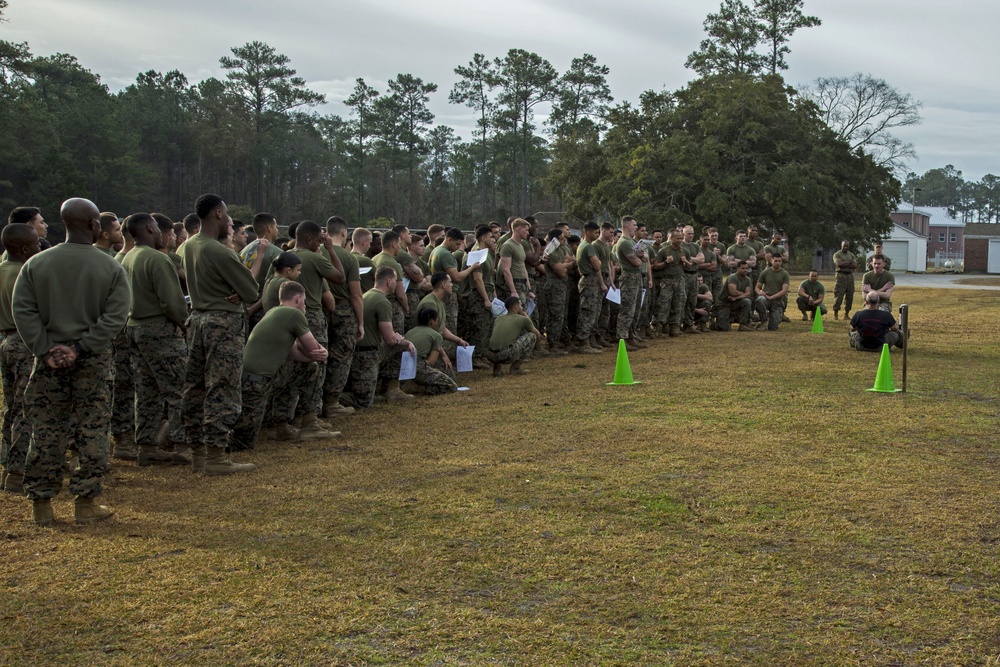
[(749, 503)]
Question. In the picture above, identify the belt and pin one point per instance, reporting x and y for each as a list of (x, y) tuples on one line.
[(366, 348), (847, 273), (254, 377)]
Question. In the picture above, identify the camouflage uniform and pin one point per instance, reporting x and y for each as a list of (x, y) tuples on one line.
[(398, 316), (369, 365), (413, 297), (159, 352), (690, 295), (343, 338), (305, 399), (843, 290), (123, 409), (16, 360), (81, 398), (591, 297), (298, 377), (555, 307), (771, 310), (476, 323), (211, 395), (670, 309), (433, 380), (631, 287), (520, 349)]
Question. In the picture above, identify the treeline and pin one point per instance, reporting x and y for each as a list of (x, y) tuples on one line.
[(970, 201)]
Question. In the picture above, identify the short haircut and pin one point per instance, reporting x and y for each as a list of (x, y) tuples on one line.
[(878, 256), (389, 238), (399, 229), (872, 296), (573, 239), (438, 278), (510, 302), (137, 221), (591, 226), (286, 260), (435, 229), (426, 315), (335, 224), (740, 231), (17, 235), (530, 219), (261, 222), (384, 273), (306, 229), (455, 234), (553, 233), (289, 290), (107, 221), (238, 224), (292, 229), (627, 218), (23, 215), (518, 223), (360, 233), (607, 225), (192, 223), (178, 228), (740, 263), (163, 222), (481, 231), (205, 204)]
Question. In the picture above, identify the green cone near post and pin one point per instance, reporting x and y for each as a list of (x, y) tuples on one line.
[(884, 383), (623, 370)]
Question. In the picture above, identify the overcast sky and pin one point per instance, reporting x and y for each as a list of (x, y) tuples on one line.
[(943, 53)]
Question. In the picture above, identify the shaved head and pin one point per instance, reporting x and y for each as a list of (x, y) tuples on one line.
[(18, 235), (82, 219)]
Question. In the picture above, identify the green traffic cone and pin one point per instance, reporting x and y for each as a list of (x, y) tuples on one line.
[(817, 321), (883, 378), (623, 370)]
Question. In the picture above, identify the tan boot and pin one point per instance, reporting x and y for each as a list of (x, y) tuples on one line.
[(497, 370), (629, 347), (394, 393), (198, 455), (125, 448), (41, 512), (313, 430), (674, 330), (515, 368), (595, 343), (285, 432), (216, 463), (150, 455), (14, 483), (702, 327), (335, 409), (636, 343), (86, 510), (180, 453), (583, 347)]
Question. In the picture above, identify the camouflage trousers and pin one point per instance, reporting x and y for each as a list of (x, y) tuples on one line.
[(604, 319), (211, 398), (732, 311), (258, 390), (843, 291), (16, 362), (516, 351), (540, 315), (642, 307), (308, 399), (433, 380), (367, 368), (803, 304), (343, 328), (69, 407), (413, 297), (670, 309), (771, 311), (591, 297), (690, 296), (451, 312), (476, 323), (398, 317), (631, 287), (159, 352), (555, 308), (123, 409)]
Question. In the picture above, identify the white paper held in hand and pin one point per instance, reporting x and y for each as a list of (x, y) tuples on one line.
[(498, 308), (614, 295), (407, 366), (477, 256), (463, 359)]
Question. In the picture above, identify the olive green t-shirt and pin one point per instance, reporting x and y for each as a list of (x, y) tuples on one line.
[(8, 276), (624, 247), (674, 269), (367, 279), (841, 256), (744, 253), (693, 250), (431, 301), (214, 272), (271, 340), (507, 328), (741, 283), (315, 269), (425, 340), (813, 289), (774, 250), (773, 280), (515, 251), (249, 255), (720, 251), (348, 260), (156, 291), (385, 259), (377, 309), (272, 287), (604, 254), (877, 282), (442, 260), (487, 271), (709, 258), (583, 255)]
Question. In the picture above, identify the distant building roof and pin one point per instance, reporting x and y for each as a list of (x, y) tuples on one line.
[(941, 217), (907, 208), (982, 229)]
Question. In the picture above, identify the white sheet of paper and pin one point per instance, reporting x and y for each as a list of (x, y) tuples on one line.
[(406, 283), (477, 256), (498, 308), (463, 389), (643, 244), (363, 270), (407, 366), (642, 299), (614, 295), (463, 359), (531, 307)]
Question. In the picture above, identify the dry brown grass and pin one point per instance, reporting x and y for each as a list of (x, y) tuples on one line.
[(748, 503), (981, 281)]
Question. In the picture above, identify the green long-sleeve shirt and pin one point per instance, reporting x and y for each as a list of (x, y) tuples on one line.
[(214, 272), (156, 291), (9, 271), (70, 293)]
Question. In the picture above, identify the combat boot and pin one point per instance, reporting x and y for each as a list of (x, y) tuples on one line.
[(675, 330), (285, 432), (497, 370), (41, 512), (635, 343), (180, 453), (595, 343), (702, 327), (393, 393), (198, 458), (86, 510), (125, 448), (333, 408), (515, 368), (216, 463), (151, 455), (14, 483), (583, 347), (312, 430)]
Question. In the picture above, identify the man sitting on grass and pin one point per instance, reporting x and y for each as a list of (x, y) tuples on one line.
[(514, 337), (428, 343), (872, 327)]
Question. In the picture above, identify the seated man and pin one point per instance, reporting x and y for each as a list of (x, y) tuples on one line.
[(514, 337), (811, 295), (428, 343), (281, 351), (872, 327), (735, 302), (880, 281), (772, 294)]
